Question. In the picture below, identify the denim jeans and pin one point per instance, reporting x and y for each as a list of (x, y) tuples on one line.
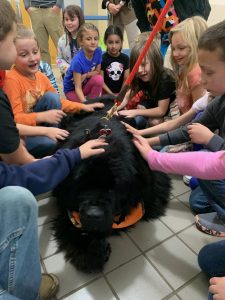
[(40, 146), (19, 250), (211, 260), (209, 196)]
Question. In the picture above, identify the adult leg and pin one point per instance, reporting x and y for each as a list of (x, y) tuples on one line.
[(19, 255), (132, 32), (37, 16), (53, 25), (93, 87)]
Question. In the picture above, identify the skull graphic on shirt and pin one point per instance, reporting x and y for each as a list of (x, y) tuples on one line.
[(115, 70)]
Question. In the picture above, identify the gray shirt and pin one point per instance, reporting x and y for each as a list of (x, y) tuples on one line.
[(213, 117), (42, 3)]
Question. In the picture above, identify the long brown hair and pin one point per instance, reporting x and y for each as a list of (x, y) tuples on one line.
[(72, 11), (156, 61)]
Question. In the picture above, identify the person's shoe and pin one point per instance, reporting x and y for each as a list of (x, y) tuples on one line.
[(211, 224), (49, 286), (186, 179)]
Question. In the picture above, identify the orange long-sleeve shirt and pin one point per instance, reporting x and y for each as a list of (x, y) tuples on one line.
[(23, 94)]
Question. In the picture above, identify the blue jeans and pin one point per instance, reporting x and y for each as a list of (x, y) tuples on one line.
[(141, 122), (211, 260), (209, 196), (19, 250), (40, 146)]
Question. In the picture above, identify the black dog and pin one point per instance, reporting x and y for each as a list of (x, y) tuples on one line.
[(104, 191)]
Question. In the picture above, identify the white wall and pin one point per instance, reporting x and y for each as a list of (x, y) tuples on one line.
[(69, 2), (217, 11)]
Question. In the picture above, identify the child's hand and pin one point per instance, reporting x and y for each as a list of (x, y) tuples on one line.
[(199, 134), (217, 287), (56, 133), (91, 107), (130, 128), (89, 148), (53, 116), (128, 113), (142, 145)]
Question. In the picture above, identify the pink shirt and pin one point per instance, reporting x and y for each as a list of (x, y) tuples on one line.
[(204, 165), (184, 97)]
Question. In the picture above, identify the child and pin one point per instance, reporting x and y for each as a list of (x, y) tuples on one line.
[(83, 76), (154, 84), (33, 99), (184, 60), (210, 166), (73, 18), (201, 131), (115, 64)]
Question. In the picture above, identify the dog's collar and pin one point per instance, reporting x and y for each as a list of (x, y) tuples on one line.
[(135, 215)]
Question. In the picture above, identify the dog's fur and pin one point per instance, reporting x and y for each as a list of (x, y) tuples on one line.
[(102, 187)]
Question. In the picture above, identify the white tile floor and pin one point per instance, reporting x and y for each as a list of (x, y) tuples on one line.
[(155, 260)]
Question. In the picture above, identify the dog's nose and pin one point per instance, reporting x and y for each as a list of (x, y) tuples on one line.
[(94, 213)]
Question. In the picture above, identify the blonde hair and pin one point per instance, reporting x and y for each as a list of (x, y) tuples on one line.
[(190, 30), (25, 33), (85, 27)]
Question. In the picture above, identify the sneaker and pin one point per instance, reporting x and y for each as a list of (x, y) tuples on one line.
[(186, 179), (211, 224), (49, 286)]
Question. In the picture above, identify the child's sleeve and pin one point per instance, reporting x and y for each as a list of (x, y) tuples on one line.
[(210, 165), (60, 60), (12, 89), (70, 106), (47, 70)]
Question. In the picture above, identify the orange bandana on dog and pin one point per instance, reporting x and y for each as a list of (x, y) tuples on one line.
[(135, 215)]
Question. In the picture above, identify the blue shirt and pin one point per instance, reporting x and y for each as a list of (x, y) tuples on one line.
[(80, 64)]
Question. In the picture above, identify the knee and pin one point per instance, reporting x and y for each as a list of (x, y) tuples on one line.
[(155, 121), (204, 256), (54, 99), (18, 198), (98, 80)]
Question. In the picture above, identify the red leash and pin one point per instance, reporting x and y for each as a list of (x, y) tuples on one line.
[(156, 28)]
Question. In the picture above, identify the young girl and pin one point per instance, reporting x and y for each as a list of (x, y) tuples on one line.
[(33, 99), (153, 83), (115, 64), (184, 60), (73, 18), (83, 77)]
